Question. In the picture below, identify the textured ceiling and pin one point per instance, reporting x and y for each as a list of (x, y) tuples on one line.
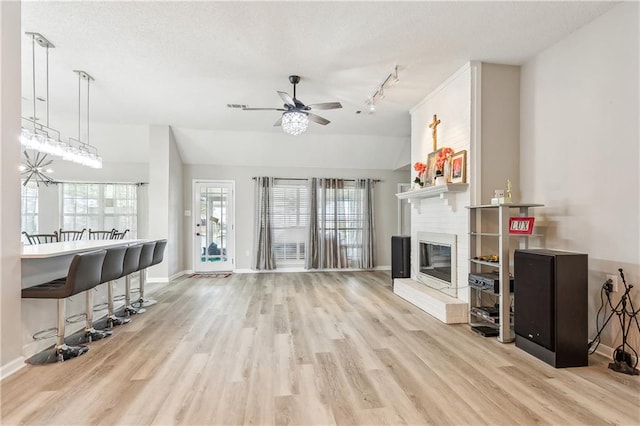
[(181, 63)]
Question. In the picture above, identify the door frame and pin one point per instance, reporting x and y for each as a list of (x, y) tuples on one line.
[(195, 206)]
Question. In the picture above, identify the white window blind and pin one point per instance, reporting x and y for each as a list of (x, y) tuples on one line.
[(99, 206), (290, 218), (30, 208)]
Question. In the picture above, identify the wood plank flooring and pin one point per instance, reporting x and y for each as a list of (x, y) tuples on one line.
[(308, 349)]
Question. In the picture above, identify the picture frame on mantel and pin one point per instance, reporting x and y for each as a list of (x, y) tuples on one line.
[(430, 169), (458, 167)]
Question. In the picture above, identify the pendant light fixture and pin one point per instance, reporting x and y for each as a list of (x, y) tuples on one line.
[(35, 168), (38, 136), (42, 137), (83, 152)]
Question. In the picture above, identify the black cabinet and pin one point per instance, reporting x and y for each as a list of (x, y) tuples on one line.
[(400, 257), (550, 307)]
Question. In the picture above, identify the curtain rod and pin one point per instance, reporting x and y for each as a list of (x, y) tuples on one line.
[(348, 180), (56, 182)]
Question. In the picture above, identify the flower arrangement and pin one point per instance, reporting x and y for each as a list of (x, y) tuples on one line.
[(443, 157), (420, 168)]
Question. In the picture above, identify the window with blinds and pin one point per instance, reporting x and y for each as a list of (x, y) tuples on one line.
[(29, 201), (290, 218), (342, 216), (99, 206)]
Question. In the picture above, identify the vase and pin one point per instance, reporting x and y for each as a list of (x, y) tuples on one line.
[(447, 171), (441, 180)]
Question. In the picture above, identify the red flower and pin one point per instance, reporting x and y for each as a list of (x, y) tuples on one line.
[(443, 156), (420, 168)]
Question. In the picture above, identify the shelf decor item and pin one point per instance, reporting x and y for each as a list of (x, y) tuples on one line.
[(420, 168), (521, 225), (458, 167)]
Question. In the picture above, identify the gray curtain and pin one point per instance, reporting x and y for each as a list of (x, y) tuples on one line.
[(366, 237), (263, 255), (325, 244), (332, 213), (312, 257)]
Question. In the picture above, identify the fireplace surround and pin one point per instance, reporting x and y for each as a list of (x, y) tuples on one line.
[(436, 263)]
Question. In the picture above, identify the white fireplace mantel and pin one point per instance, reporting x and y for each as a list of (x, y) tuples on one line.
[(442, 191)]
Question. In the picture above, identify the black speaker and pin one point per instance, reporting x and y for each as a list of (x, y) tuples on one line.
[(550, 306), (400, 257)]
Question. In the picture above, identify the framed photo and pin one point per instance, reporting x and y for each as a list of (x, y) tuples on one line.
[(430, 170), (458, 167), (521, 225)]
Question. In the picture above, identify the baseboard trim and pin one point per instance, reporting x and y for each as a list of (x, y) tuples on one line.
[(605, 351), (11, 367), (165, 279), (301, 269)]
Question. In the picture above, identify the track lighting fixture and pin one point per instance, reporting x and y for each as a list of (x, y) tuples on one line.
[(391, 80)]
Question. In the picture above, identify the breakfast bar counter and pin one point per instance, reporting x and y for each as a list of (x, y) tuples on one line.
[(45, 262)]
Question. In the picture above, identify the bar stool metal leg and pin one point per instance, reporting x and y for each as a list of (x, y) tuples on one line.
[(91, 333), (142, 302), (112, 319), (128, 308), (64, 351)]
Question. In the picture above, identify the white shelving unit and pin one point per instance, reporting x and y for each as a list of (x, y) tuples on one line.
[(479, 240)]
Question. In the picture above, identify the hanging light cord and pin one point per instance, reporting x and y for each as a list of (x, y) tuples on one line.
[(33, 81)]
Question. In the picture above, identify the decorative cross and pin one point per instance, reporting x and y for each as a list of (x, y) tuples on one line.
[(434, 126)]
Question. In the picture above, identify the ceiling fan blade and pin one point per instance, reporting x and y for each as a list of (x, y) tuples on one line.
[(318, 119), (287, 99), (263, 109), (278, 123), (325, 105)]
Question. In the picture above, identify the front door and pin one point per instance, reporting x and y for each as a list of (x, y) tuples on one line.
[(213, 224)]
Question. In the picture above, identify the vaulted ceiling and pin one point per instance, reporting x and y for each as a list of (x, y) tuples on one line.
[(181, 63)]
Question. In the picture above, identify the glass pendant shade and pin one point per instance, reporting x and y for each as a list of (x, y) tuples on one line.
[(295, 122)]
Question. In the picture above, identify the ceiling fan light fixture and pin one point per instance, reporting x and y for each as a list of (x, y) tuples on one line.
[(295, 122)]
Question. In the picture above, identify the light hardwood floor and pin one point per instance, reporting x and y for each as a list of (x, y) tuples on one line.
[(308, 348)]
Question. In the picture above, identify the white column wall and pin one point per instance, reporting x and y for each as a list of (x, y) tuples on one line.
[(10, 273), (165, 201)]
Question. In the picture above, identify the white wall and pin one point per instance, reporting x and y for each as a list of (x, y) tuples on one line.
[(385, 203), (278, 149), (49, 204), (165, 200), (10, 298), (579, 148)]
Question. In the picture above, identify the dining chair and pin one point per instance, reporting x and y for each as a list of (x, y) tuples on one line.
[(70, 235), (101, 235), (41, 238), (119, 235)]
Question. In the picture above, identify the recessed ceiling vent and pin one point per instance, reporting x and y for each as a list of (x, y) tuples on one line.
[(236, 106)]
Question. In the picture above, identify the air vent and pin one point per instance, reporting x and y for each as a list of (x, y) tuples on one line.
[(236, 106)]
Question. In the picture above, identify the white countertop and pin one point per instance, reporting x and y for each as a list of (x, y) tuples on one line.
[(43, 251)]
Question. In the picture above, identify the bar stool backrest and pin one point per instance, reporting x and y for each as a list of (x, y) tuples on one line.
[(158, 252), (131, 259), (113, 264), (88, 272), (84, 273), (146, 257), (69, 235)]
